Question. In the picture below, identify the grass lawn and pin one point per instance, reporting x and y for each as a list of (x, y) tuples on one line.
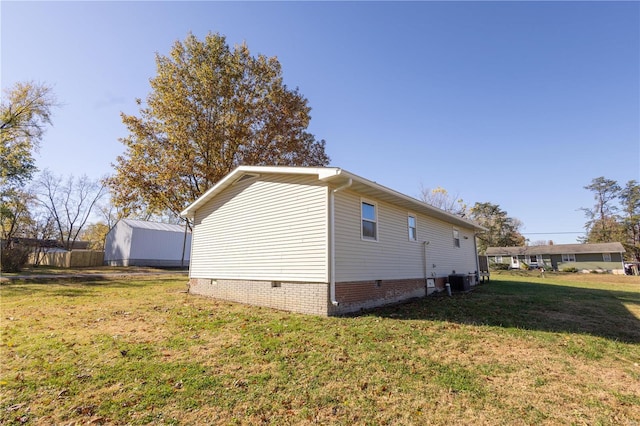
[(519, 350)]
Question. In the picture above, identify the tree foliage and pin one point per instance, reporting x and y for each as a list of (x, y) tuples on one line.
[(95, 234), (602, 224), (440, 198), (615, 215), (210, 110), (24, 115), (503, 231)]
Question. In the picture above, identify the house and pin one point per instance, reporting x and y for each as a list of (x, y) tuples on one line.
[(321, 241), (604, 257), (141, 243)]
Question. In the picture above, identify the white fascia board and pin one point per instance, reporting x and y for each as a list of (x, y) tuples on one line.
[(417, 204)]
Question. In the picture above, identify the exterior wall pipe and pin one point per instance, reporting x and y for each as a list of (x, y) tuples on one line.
[(332, 246), (426, 275)]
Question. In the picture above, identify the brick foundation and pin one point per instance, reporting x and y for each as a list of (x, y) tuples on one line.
[(358, 295), (311, 298), (306, 298)]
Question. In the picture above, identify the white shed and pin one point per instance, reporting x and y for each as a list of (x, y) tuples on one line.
[(141, 243)]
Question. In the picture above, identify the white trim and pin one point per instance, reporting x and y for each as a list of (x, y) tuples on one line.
[(415, 226), (376, 220)]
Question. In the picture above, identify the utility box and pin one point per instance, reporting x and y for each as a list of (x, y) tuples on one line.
[(459, 282)]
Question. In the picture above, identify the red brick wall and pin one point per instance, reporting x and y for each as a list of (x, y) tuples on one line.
[(354, 296), (311, 298)]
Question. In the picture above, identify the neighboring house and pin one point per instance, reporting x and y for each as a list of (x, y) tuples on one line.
[(141, 243), (604, 257), (321, 241)]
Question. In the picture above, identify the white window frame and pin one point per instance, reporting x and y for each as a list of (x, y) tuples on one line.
[(413, 237), (375, 221), (498, 259), (456, 237), (568, 257), (534, 258), (606, 257)]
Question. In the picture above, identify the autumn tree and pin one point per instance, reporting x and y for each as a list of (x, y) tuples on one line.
[(24, 115), (440, 198), (95, 234), (503, 231), (211, 108)]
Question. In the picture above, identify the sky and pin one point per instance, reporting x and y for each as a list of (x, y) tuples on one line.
[(519, 104)]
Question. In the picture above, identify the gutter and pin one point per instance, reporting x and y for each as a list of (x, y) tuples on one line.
[(332, 237)]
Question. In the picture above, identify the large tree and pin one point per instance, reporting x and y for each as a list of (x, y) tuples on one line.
[(211, 109), (602, 224), (25, 113), (630, 201), (503, 231)]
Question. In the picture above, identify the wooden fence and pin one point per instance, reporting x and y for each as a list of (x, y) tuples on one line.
[(69, 259)]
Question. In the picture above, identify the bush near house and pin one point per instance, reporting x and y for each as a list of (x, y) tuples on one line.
[(14, 259)]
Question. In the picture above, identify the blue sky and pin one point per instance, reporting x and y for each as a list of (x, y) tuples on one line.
[(520, 104)]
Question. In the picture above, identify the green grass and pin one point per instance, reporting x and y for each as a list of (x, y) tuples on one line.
[(520, 350)]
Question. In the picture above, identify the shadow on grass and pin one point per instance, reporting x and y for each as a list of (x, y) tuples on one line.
[(532, 306)]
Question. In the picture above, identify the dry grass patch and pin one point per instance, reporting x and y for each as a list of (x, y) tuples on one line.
[(140, 351)]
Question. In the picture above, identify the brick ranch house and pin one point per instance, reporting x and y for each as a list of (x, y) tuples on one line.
[(321, 241)]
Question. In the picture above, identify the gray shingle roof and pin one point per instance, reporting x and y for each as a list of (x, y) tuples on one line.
[(557, 249)]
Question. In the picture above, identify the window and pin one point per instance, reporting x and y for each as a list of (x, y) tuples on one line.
[(456, 238), (568, 257), (533, 259), (369, 221), (498, 259), (606, 257), (411, 223)]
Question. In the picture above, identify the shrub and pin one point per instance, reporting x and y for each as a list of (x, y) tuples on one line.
[(501, 266), (572, 269), (14, 259)]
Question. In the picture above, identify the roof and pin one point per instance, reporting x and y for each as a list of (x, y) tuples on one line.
[(338, 177), (557, 249), (156, 226)]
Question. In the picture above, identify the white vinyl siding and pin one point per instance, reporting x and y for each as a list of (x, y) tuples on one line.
[(270, 228), (395, 257), (160, 245)]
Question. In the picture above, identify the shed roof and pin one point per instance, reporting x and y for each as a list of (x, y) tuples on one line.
[(337, 177), (557, 249), (157, 226)]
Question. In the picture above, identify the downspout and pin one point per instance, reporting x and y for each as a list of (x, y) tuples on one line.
[(475, 248), (332, 245), (426, 275)]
